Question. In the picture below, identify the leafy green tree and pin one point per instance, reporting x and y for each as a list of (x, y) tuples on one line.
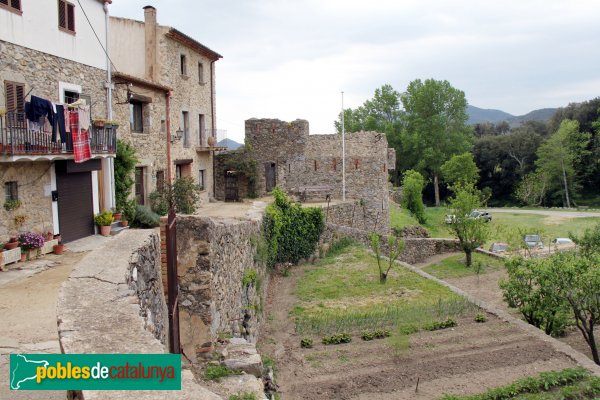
[(589, 242), (125, 162), (471, 232), (559, 154), (460, 170), (529, 288), (412, 194), (532, 189), (436, 128), (395, 246)]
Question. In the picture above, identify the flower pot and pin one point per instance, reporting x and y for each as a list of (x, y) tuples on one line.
[(124, 222), (11, 245), (49, 236), (105, 230), (117, 216), (58, 248), (211, 141), (23, 256)]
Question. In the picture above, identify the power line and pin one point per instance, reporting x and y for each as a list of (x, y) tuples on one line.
[(97, 38)]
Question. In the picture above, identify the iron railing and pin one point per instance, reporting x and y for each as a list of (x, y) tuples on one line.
[(17, 139)]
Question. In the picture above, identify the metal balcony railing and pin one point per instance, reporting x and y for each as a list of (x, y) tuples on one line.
[(17, 139)]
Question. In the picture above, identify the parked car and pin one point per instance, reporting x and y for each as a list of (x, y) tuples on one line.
[(486, 216), (533, 241), (498, 247), (562, 242)]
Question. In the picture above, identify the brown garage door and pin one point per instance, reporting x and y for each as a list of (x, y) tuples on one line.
[(75, 204)]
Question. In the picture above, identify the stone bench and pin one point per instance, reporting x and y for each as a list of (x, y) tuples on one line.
[(305, 191)]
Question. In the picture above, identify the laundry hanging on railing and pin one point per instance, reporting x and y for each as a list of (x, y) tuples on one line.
[(79, 122)]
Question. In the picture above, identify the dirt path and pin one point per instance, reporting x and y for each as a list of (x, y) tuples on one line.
[(466, 359), (557, 213), (28, 314)]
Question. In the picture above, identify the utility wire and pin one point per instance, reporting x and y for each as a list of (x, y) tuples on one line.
[(97, 38)]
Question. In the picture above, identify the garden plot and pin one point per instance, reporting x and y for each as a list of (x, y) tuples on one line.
[(342, 295)]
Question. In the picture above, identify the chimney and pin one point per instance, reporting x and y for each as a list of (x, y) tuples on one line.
[(151, 43)]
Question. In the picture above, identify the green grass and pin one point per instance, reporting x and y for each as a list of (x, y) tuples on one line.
[(216, 372), (342, 293), (570, 383), (504, 226), (243, 396), (454, 266)]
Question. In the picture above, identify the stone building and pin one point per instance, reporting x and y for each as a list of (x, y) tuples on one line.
[(48, 49), (164, 97), (284, 154)]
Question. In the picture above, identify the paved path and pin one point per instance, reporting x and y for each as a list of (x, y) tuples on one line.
[(558, 213)]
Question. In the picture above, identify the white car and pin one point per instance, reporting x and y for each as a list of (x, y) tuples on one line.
[(533, 241), (562, 242)]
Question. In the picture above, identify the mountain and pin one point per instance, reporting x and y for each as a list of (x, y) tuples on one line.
[(480, 115), (230, 144)]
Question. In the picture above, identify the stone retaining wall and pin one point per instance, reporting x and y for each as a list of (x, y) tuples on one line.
[(353, 214), (214, 255), (415, 251), (99, 311)]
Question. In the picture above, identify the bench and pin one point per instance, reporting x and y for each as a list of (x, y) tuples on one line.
[(305, 191)]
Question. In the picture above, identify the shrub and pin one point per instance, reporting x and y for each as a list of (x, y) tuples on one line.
[(145, 218), (412, 194), (249, 277), (243, 396), (291, 231), (105, 218), (480, 318), (376, 334), (186, 194), (337, 338), (437, 325), (10, 205), (30, 241), (306, 343), (216, 372), (159, 203), (129, 210), (125, 162)]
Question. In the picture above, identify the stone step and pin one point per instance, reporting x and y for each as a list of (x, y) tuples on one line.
[(116, 228)]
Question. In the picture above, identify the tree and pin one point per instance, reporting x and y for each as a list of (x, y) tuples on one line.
[(558, 155), (412, 194), (471, 232), (125, 162), (532, 189), (460, 170), (436, 126), (395, 248)]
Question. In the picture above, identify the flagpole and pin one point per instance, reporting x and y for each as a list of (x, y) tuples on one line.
[(343, 153)]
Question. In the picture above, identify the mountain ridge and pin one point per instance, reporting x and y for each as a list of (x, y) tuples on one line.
[(482, 115)]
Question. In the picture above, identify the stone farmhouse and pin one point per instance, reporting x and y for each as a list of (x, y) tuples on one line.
[(49, 51), (164, 95), (310, 167)]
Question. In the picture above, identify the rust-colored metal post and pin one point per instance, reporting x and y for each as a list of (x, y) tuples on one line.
[(172, 284)]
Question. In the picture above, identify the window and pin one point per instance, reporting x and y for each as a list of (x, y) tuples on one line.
[(71, 97), (334, 164), (15, 96), (183, 64), (178, 171), (201, 130), (136, 116), (139, 185), (160, 181), (201, 174), (200, 73), (66, 16), (11, 191), (11, 5), (186, 128)]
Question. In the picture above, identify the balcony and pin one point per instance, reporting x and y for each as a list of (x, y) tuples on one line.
[(216, 136), (17, 142)]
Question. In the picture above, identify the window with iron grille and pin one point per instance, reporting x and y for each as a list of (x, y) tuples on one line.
[(66, 16), (11, 191), (11, 5), (136, 116), (160, 181)]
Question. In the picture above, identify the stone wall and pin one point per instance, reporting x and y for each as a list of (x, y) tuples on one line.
[(41, 73), (354, 214), (99, 311), (227, 163), (214, 254), (33, 178), (416, 249)]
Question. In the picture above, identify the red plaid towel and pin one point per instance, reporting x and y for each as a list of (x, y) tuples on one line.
[(82, 149)]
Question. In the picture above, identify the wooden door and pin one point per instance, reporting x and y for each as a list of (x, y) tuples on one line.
[(270, 176)]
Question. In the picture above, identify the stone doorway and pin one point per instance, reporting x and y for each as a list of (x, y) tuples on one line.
[(270, 175), (231, 186)]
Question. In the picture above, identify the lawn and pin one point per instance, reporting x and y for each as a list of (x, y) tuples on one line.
[(454, 267), (342, 293), (505, 227)]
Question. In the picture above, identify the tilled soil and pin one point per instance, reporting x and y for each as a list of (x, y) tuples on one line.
[(466, 359)]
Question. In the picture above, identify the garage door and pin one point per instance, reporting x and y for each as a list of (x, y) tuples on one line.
[(75, 204)]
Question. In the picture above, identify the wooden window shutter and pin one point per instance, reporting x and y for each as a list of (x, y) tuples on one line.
[(15, 93), (62, 15), (71, 17)]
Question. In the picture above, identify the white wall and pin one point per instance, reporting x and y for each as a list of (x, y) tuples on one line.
[(127, 45), (37, 28)]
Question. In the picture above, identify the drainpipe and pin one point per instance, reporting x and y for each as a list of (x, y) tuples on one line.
[(168, 123), (109, 164), (212, 120)]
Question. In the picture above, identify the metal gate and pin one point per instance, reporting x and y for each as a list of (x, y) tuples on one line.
[(270, 175), (172, 284), (231, 186)]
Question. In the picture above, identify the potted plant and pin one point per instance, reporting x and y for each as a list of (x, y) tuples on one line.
[(128, 213), (117, 215), (12, 244), (30, 241), (10, 205), (99, 122), (58, 248), (104, 220)]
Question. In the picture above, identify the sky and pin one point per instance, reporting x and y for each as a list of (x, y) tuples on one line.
[(291, 59)]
